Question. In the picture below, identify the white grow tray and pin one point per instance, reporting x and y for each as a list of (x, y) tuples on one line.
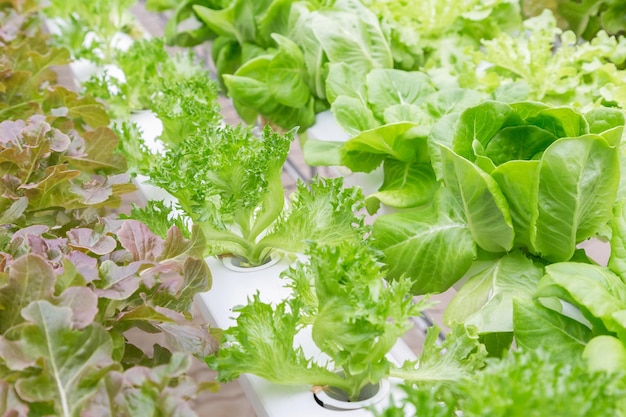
[(231, 288)]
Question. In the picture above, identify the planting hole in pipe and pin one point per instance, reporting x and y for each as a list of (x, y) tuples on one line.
[(337, 399), (238, 264)]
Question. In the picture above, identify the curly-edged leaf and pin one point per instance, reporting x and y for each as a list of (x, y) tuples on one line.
[(459, 356), (578, 182), (31, 278), (486, 210), (70, 362), (322, 212), (486, 299), (434, 251)]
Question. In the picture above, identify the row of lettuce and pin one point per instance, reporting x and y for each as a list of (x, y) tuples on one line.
[(499, 128), (505, 170)]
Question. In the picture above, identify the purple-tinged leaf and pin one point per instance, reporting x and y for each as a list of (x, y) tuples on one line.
[(85, 265), (71, 361), (85, 238), (81, 109), (14, 356), (137, 239), (104, 402), (147, 313), (118, 282), (31, 278), (84, 304), (10, 404), (187, 337), (94, 191), (36, 230), (99, 152), (11, 133)]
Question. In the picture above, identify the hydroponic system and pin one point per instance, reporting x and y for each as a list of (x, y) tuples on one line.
[(384, 152)]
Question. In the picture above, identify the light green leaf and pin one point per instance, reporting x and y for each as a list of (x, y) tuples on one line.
[(617, 258), (605, 354), (70, 362), (486, 299), (405, 185), (388, 87), (537, 327), (434, 251), (578, 183), (366, 151), (486, 210), (285, 74), (519, 181), (353, 115), (593, 287), (481, 123)]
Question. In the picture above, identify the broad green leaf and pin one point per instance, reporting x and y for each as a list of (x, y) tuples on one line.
[(285, 74), (606, 122), (451, 100), (405, 185), (486, 210), (388, 87), (518, 143), (480, 124), (486, 299), (434, 251), (353, 115), (537, 327), (561, 122), (605, 354), (519, 181), (350, 33), (617, 258), (366, 151), (578, 183), (593, 287), (342, 81), (322, 152)]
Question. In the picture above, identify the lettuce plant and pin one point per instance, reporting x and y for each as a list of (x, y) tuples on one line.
[(521, 384), (355, 318), (578, 308), (551, 65), (521, 186), (67, 302), (230, 185), (88, 28)]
